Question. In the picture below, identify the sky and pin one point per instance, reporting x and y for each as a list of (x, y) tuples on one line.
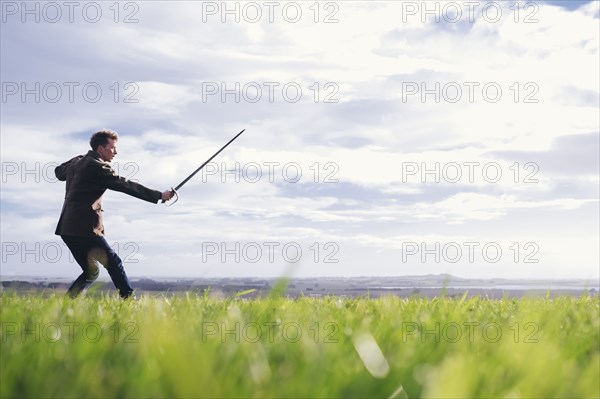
[(382, 138)]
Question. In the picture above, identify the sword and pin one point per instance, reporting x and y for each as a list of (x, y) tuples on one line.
[(174, 190)]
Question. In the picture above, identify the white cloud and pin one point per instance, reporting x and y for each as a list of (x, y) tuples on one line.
[(163, 97)]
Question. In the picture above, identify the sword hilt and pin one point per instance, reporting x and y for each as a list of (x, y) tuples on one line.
[(176, 194)]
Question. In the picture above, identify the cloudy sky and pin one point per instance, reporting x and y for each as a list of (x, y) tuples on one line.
[(382, 138)]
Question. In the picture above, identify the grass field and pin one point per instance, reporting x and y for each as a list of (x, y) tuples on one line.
[(274, 347)]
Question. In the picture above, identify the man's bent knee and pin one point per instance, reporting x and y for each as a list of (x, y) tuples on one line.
[(95, 257)]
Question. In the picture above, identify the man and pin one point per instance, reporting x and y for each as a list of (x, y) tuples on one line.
[(80, 225)]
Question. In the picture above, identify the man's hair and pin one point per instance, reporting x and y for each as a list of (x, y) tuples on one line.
[(101, 138)]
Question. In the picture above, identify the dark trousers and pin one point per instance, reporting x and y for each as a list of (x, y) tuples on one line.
[(88, 253)]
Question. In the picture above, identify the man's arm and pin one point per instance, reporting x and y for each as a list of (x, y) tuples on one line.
[(108, 178), (61, 170)]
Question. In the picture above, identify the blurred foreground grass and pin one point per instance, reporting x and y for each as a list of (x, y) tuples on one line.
[(274, 347)]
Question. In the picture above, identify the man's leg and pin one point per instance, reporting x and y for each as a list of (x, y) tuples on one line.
[(113, 264), (80, 247)]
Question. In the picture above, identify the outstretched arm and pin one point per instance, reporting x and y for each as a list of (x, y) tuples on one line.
[(108, 178)]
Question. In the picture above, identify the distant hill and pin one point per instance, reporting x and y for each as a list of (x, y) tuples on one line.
[(429, 285)]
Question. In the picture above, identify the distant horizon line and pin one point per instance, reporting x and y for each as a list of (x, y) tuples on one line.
[(595, 279)]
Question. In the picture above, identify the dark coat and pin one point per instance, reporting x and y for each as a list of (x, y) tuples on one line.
[(88, 177)]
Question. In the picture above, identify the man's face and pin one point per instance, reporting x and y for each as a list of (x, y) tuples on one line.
[(108, 152)]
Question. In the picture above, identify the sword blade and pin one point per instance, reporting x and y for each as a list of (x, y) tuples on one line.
[(205, 163)]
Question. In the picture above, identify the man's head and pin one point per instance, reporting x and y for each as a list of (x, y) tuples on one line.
[(104, 143)]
